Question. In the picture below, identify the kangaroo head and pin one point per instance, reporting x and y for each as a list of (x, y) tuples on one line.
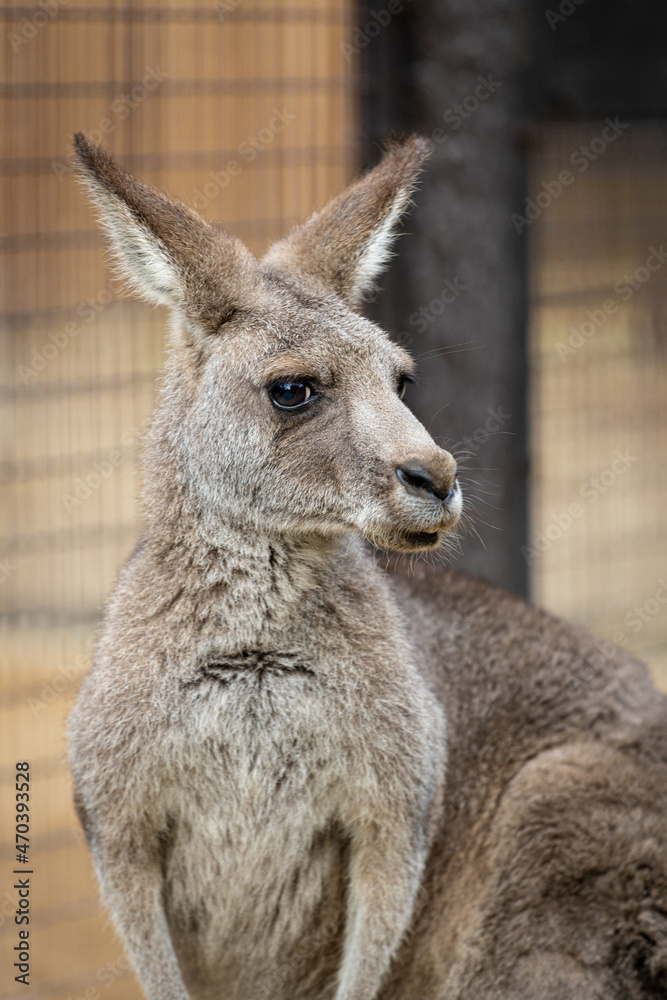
[(281, 407)]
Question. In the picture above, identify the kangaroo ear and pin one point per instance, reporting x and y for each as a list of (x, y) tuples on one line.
[(167, 252), (347, 244)]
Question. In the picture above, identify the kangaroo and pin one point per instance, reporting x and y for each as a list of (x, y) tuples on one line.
[(304, 776)]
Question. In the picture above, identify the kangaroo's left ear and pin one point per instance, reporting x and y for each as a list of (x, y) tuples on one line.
[(345, 245)]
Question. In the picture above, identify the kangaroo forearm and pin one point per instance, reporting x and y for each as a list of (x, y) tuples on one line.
[(384, 881), (133, 896)]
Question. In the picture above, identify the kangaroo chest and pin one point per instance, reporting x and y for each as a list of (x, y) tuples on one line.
[(256, 854)]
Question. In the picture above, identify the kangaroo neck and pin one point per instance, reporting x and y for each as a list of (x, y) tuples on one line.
[(261, 586)]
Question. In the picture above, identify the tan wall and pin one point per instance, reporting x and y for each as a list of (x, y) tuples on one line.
[(176, 90), (79, 363)]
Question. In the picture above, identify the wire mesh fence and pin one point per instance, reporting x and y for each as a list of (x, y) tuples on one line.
[(599, 372), (244, 110)]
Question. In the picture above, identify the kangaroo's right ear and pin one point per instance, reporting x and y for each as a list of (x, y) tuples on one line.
[(347, 243), (167, 252)]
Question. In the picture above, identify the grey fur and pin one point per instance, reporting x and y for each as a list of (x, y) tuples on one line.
[(259, 750)]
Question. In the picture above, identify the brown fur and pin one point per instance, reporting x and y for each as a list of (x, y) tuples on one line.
[(259, 751), (548, 880)]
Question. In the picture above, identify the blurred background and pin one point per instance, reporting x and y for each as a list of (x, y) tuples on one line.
[(530, 284)]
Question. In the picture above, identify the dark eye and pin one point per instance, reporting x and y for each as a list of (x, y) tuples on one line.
[(403, 381), (288, 395)]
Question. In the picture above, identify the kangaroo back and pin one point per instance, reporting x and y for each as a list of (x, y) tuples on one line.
[(548, 878)]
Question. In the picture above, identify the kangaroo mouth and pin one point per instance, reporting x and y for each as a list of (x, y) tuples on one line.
[(429, 537), (411, 528), (402, 539), (423, 540)]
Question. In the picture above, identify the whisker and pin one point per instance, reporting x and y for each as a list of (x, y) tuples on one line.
[(466, 345)]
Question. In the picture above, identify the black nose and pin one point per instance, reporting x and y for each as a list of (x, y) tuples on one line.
[(419, 482)]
